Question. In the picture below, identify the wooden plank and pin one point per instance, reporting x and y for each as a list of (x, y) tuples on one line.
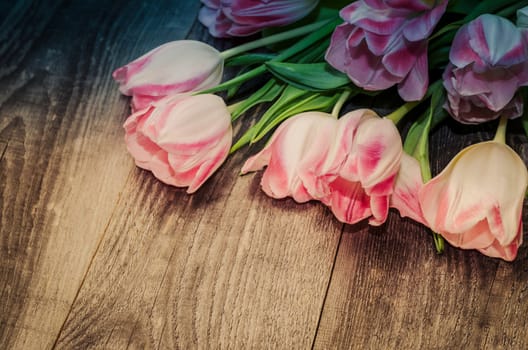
[(390, 290), (227, 267), (65, 165)]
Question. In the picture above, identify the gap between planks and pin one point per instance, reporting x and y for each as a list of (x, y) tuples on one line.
[(323, 304)]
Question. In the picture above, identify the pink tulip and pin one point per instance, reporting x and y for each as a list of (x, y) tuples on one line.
[(175, 67), (226, 18), (406, 189), (182, 139), (384, 43), (476, 201), (486, 70), (296, 156), (348, 164), (368, 150)]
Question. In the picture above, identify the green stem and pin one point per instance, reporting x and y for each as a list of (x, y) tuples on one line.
[(512, 9), (272, 39), (439, 242), (422, 154), (301, 45), (339, 104), (500, 135), (232, 107), (398, 114)]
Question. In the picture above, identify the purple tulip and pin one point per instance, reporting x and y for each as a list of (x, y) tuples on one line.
[(488, 63), (226, 18), (384, 42)]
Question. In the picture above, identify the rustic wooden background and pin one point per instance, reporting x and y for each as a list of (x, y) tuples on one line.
[(95, 253)]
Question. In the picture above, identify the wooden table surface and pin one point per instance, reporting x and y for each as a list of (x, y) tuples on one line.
[(96, 253)]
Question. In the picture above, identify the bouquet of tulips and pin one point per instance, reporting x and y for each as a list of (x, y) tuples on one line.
[(464, 59)]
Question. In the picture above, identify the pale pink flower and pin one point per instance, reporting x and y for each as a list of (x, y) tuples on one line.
[(349, 164), (182, 139), (295, 156), (368, 149), (384, 43), (226, 18), (175, 67), (476, 201)]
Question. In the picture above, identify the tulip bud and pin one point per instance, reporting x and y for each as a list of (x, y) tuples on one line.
[(349, 164), (476, 201), (182, 139), (295, 156), (175, 67)]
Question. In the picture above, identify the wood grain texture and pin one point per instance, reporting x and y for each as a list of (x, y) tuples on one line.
[(390, 290), (65, 164), (223, 268), (96, 253)]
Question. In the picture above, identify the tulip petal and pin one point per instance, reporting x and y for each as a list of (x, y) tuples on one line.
[(421, 27), (295, 156), (414, 86), (406, 188), (349, 202), (380, 209), (337, 54), (181, 139)]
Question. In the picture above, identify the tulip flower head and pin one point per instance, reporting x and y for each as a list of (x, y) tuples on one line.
[(227, 18), (476, 201), (384, 43), (368, 149), (182, 139), (295, 157), (175, 67), (485, 70), (349, 164)]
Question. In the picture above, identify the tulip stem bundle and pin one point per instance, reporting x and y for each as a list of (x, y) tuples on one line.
[(324, 30), (272, 39)]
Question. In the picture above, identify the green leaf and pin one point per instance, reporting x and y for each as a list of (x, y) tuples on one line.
[(321, 13), (266, 93), (416, 142), (308, 76), (334, 4), (489, 6), (313, 102), (249, 59), (291, 102), (313, 54), (301, 45), (233, 89), (462, 6), (288, 95)]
